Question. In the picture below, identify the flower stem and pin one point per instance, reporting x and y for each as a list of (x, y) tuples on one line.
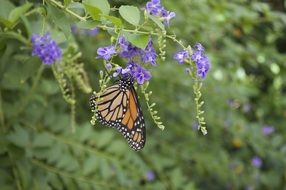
[(58, 4)]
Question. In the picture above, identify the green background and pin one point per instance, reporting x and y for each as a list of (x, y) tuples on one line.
[(244, 91)]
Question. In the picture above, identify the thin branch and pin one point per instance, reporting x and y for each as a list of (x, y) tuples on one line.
[(172, 37)]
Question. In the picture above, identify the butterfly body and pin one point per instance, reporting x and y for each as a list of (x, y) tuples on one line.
[(118, 107)]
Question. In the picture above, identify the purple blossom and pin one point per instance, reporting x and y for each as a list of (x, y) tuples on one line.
[(46, 48), (155, 8), (267, 130), (256, 162), (197, 56), (201, 60), (139, 73), (181, 56), (136, 71), (203, 67), (150, 175), (149, 55), (199, 47), (91, 32), (127, 49), (106, 52), (108, 66), (74, 29), (87, 32), (167, 16), (195, 126), (121, 71)]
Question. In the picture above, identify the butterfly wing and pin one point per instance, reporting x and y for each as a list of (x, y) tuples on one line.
[(110, 105), (132, 125)]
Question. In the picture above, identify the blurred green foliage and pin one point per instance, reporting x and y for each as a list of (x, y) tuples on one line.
[(245, 90)]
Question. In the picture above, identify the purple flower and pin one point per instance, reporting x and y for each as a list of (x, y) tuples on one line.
[(197, 56), (46, 48), (203, 67), (201, 60), (139, 73), (199, 47), (150, 175), (74, 29), (167, 16), (87, 32), (106, 52), (108, 66), (195, 126), (181, 56), (256, 162), (268, 130), (149, 55), (121, 71), (91, 32), (155, 8), (127, 49)]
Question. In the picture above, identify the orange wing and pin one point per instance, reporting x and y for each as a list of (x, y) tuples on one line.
[(132, 125)]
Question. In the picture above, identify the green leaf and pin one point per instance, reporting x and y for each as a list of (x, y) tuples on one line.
[(77, 7), (60, 20), (67, 2), (16, 13), (43, 140), (116, 21), (5, 22), (20, 137), (101, 5), (131, 14), (138, 40), (90, 165), (68, 163), (93, 11), (105, 169), (87, 24), (117, 147), (5, 9), (105, 138), (157, 21)]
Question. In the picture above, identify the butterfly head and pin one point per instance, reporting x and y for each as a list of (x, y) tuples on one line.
[(126, 81)]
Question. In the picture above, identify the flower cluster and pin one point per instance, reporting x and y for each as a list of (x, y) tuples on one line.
[(201, 60), (155, 8), (46, 48), (132, 53)]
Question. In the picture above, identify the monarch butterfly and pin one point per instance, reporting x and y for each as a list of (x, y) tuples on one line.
[(118, 107)]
